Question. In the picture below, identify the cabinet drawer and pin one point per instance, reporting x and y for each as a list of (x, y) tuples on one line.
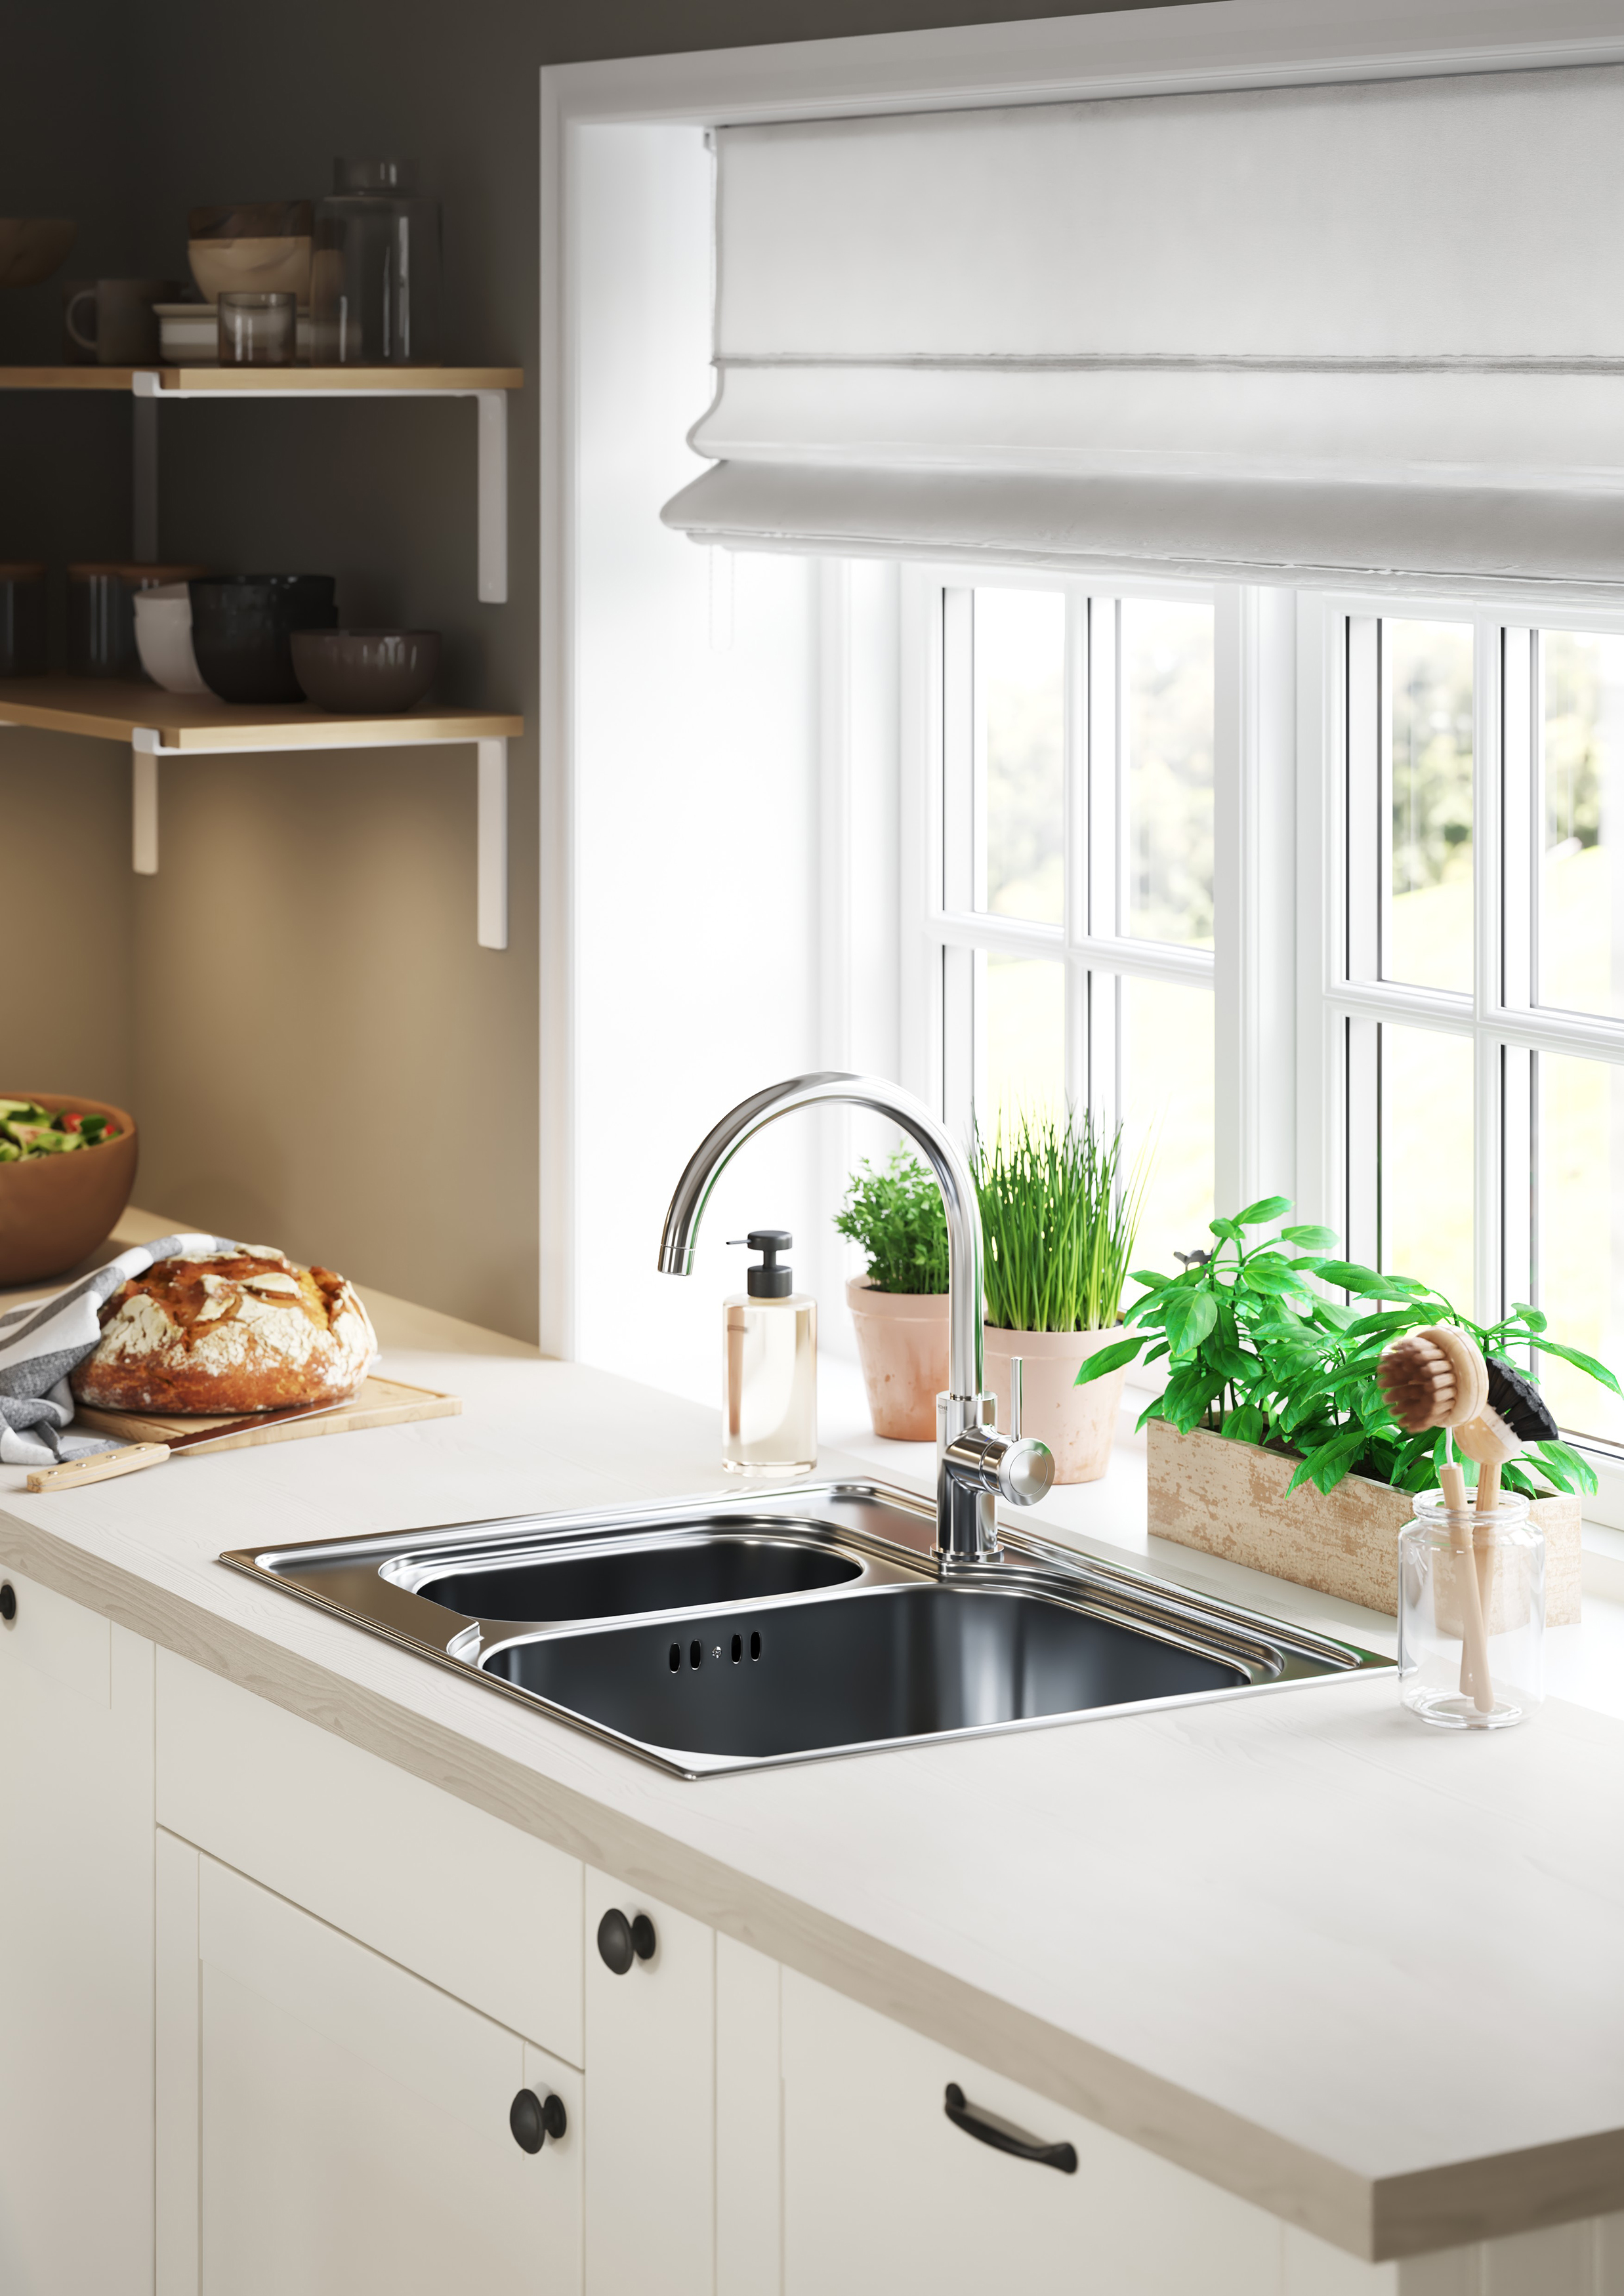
[(489, 1913), (882, 2192)]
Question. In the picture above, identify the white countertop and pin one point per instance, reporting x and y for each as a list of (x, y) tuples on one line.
[(1364, 1973)]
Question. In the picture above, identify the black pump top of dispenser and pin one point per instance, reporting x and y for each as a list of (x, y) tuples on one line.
[(769, 1281)]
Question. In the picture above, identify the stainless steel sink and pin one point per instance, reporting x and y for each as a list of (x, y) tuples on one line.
[(782, 1627)]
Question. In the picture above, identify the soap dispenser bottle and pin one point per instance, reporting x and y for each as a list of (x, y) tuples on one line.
[(769, 1367)]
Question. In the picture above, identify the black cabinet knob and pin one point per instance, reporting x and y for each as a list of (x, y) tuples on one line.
[(619, 1939), (8, 1602), (534, 2118)]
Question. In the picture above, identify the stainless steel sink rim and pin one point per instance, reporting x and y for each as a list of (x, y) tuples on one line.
[(381, 1570)]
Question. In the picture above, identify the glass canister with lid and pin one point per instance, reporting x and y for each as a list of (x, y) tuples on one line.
[(375, 273)]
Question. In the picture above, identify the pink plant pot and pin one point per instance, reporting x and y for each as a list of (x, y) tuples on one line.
[(902, 1345), (1077, 1423)]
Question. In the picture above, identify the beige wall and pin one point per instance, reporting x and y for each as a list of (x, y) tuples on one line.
[(317, 1052)]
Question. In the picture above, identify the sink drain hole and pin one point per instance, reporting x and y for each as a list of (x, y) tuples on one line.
[(738, 1648), (676, 1656), (694, 1654), (755, 1647)]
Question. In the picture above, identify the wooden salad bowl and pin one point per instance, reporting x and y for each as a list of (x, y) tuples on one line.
[(56, 1210)]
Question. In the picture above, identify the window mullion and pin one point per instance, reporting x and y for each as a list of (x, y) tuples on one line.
[(1254, 920), (1489, 1067), (1511, 981), (1076, 781), (1362, 779)]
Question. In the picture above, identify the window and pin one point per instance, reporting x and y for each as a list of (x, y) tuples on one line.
[(1074, 933), (1447, 1084)]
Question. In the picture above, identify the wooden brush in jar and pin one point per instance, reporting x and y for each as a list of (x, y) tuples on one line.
[(1438, 1377)]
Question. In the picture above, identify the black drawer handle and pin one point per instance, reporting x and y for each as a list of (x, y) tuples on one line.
[(619, 1940), (534, 2118), (987, 2128)]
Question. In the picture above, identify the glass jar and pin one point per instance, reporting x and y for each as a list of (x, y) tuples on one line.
[(1470, 1614), (23, 621), (101, 615), (375, 273)]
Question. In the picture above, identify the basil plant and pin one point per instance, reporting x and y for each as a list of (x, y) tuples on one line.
[(1258, 1348)]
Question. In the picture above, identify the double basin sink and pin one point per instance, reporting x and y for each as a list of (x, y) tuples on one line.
[(791, 1625)]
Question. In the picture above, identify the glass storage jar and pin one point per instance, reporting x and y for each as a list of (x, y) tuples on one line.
[(375, 274), (1470, 1614)]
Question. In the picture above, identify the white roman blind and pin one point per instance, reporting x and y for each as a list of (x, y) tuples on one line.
[(1370, 333)]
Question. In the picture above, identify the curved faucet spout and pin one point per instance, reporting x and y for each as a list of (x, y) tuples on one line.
[(959, 1200)]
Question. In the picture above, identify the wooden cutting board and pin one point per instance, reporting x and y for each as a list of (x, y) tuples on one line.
[(377, 1403)]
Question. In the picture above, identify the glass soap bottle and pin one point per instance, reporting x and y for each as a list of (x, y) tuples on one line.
[(769, 1367)]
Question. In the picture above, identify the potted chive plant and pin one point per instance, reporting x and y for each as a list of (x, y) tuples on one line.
[(1059, 1213), (1272, 1443), (899, 1307)]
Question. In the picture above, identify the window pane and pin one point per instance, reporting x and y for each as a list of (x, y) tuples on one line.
[(1428, 929), (1427, 1161), (1166, 772), (1581, 895), (1167, 1096), (1581, 1235), (1024, 1018), (1020, 686)]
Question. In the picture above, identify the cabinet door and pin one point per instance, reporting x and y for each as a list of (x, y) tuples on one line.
[(329, 2123), (76, 1950), (650, 2058), (882, 2192)]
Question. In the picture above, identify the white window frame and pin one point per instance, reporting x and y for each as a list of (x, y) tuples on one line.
[(1296, 756), (1250, 968)]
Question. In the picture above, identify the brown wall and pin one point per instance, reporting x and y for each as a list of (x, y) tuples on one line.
[(319, 1054)]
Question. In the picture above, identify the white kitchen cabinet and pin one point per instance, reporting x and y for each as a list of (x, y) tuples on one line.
[(650, 2054), (882, 2192), (329, 2123), (76, 1950)]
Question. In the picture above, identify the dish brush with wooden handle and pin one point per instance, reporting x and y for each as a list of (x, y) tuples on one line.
[(1438, 1378)]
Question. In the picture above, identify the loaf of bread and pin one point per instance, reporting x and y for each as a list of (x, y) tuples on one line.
[(233, 1332)]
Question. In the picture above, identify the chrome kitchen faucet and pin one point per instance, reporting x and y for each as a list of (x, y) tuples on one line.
[(975, 1465)]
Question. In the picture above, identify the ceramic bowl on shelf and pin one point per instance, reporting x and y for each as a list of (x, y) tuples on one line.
[(163, 638), (54, 1210), (241, 625), (263, 248), (32, 247), (370, 671)]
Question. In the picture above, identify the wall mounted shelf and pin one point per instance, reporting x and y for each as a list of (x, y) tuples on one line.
[(152, 386), (158, 725)]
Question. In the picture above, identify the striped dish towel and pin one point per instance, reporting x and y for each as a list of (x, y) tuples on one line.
[(41, 1341)]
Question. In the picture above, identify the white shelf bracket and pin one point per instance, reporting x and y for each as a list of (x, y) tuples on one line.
[(493, 844), (144, 750), (493, 497), (144, 502)]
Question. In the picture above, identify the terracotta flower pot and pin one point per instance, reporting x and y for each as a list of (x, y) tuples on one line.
[(1077, 1423), (902, 1345), (53, 1209)]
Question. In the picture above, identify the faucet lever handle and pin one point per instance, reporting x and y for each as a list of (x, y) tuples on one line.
[(1017, 1365)]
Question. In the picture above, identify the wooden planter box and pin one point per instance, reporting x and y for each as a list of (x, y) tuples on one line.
[(1230, 1499)]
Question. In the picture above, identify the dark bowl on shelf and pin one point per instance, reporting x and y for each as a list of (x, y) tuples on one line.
[(241, 627), (374, 671)]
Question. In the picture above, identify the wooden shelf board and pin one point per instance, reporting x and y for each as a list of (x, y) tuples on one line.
[(110, 709), (290, 380)]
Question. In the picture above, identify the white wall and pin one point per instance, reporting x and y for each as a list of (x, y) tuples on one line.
[(695, 882)]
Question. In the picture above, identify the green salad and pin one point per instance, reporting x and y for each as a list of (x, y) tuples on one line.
[(27, 1129)]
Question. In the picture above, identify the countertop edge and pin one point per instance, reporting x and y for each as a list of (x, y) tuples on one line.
[(1254, 2163)]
